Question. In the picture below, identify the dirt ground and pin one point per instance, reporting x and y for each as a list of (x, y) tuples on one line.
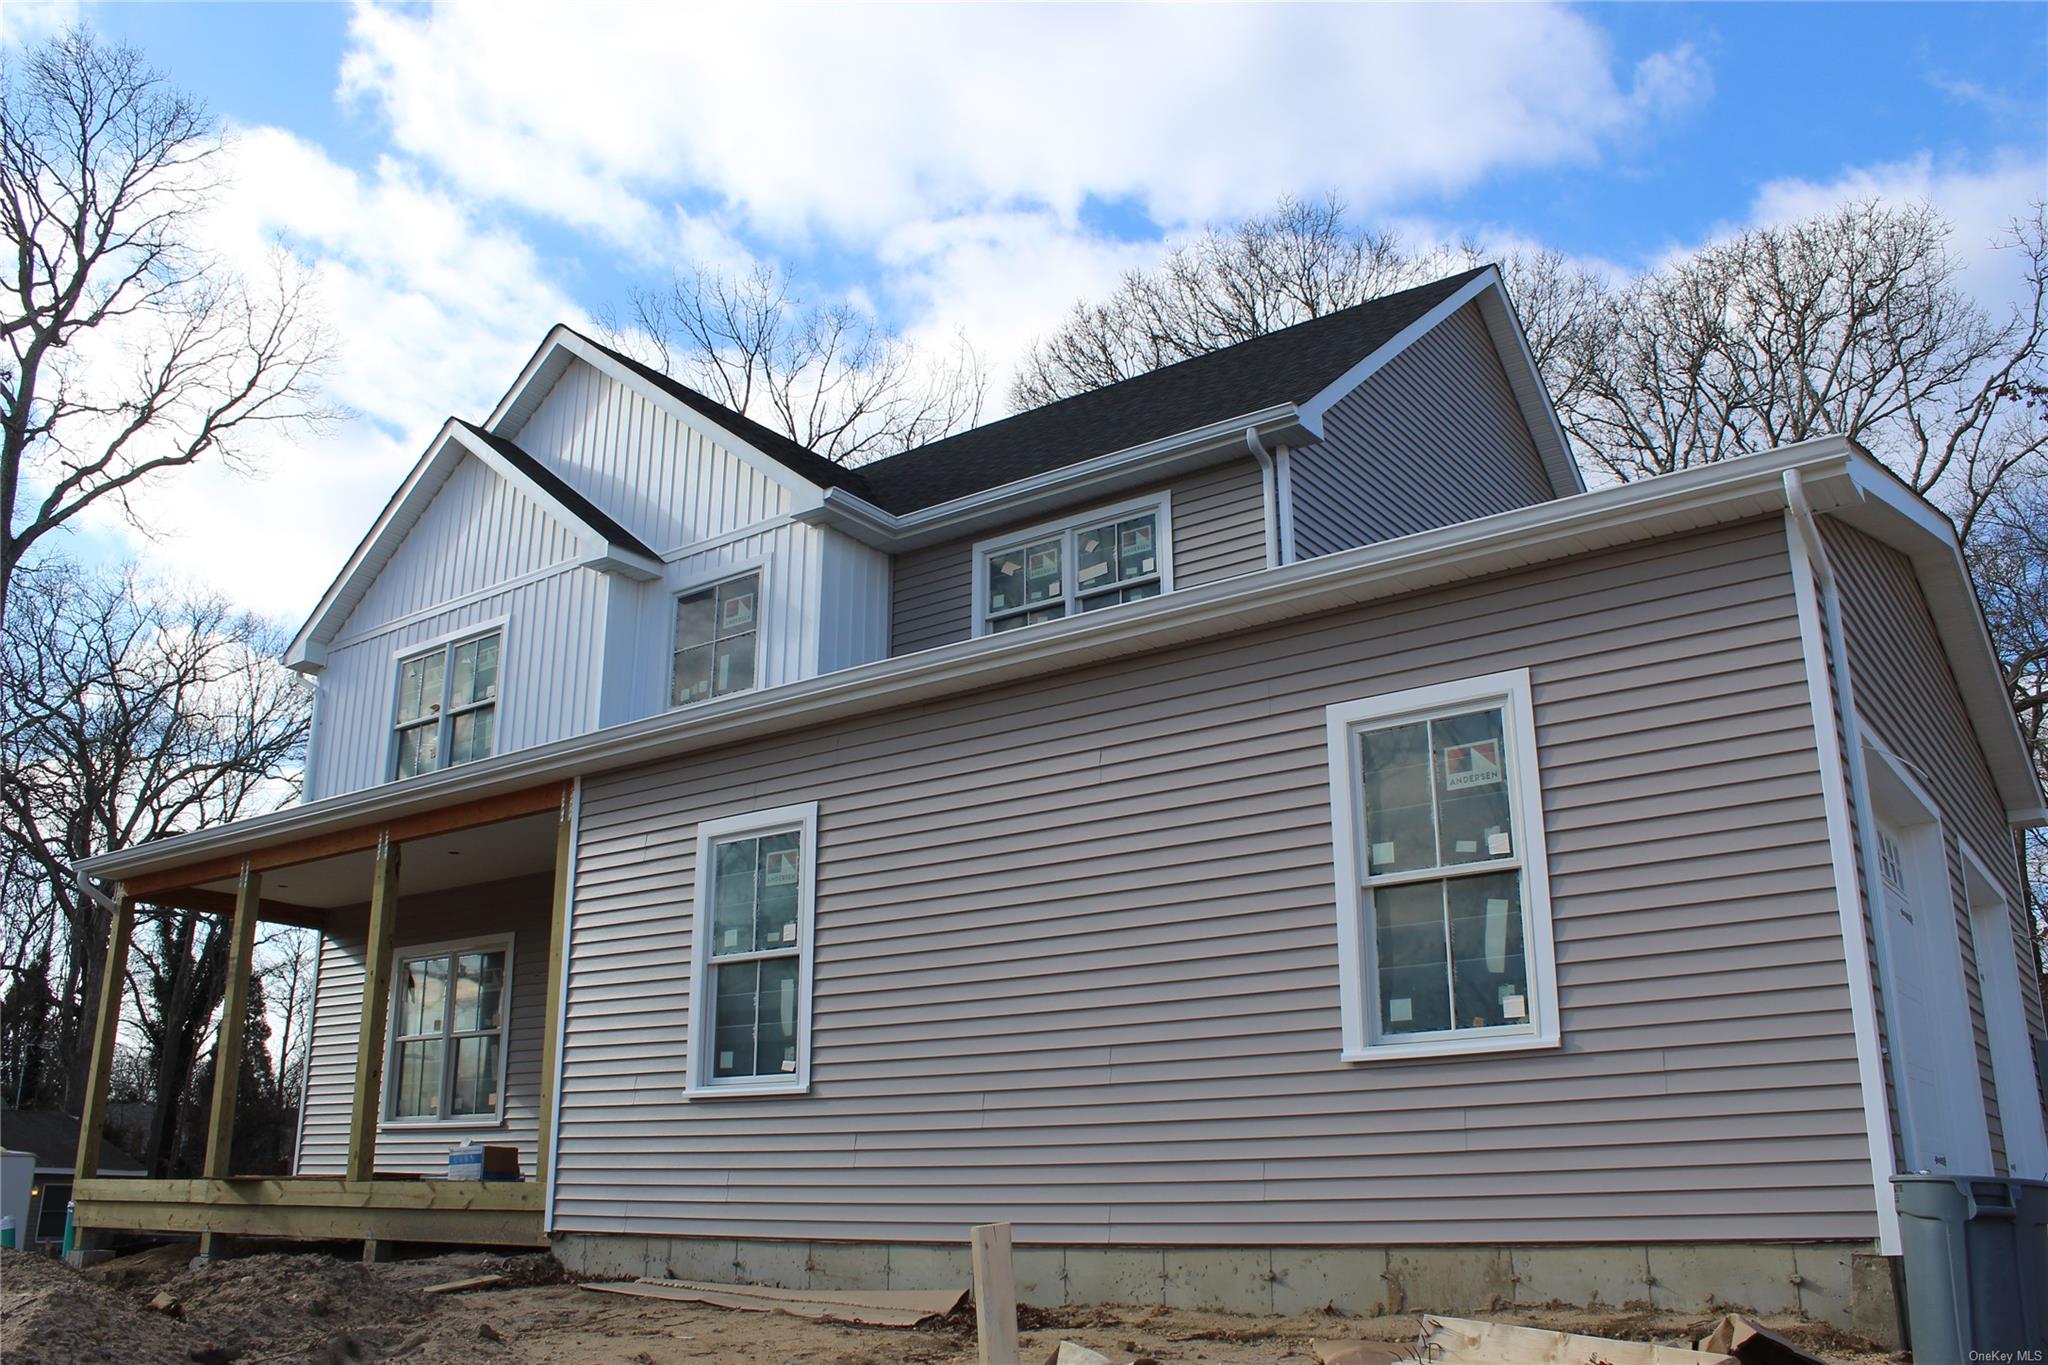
[(329, 1310)]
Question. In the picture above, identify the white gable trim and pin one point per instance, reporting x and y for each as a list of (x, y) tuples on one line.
[(563, 346), (1509, 344), (308, 651)]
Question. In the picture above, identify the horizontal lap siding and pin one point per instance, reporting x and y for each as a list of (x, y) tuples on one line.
[(1433, 438), (519, 908), (1076, 951), (1219, 530), (1906, 692)]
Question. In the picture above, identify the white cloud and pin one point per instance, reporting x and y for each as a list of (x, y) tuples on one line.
[(854, 121), (28, 21), (1981, 198), (433, 310)]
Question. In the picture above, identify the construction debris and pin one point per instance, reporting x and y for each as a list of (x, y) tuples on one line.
[(1462, 1341), (458, 1286), (167, 1303), (1752, 1343), (1074, 1353), (876, 1308)]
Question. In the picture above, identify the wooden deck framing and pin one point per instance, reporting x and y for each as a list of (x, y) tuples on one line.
[(465, 1212), (354, 1205)]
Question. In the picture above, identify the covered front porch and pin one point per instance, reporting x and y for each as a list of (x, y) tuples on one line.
[(469, 1055)]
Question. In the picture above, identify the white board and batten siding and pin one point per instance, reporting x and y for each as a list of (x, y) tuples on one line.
[(1075, 950), (519, 908), (1432, 438), (1907, 695), (582, 650), (1218, 515)]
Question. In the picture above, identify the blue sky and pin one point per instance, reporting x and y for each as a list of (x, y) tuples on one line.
[(462, 176)]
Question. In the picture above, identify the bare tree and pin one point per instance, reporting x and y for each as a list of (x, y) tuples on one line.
[(827, 376), (130, 350), (1229, 285), (1855, 322), (129, 711)]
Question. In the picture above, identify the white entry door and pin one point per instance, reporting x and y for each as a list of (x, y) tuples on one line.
[(1927, 1017)]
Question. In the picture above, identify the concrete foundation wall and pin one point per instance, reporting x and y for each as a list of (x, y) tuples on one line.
[(1844, 1283)]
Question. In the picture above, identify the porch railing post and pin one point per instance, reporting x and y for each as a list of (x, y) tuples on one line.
[(234, 1021), (362, 1133), (108, 1022), (551, 1043)]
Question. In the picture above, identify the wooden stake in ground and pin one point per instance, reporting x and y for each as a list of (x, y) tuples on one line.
[(995, 1294)]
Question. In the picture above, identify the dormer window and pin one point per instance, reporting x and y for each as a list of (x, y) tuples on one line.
[(716, 631), (447, 705), (1113, 555)]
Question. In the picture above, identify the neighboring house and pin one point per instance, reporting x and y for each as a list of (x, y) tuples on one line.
[(1262, 828), (51, 1136)]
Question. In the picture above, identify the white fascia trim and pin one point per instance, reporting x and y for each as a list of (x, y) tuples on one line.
[(857, 515), (803, 493), (1937, 556), (308, 652), (802, 817), (1532, 395), (596, 551), (1744, 488), (1809, 569), (1312, 411)]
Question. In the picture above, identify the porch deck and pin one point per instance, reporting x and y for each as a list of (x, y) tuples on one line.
[(465, 1212)]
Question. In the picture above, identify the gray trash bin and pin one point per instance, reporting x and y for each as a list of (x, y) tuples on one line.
[(1976, 1249)]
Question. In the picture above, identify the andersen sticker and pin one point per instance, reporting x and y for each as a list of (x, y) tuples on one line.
[(1471, 765)]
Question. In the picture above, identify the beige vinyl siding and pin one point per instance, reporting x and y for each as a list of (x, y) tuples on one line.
[(1431, 438), (1908, 696), (1219, 529), (1075, 952), (519, 908)]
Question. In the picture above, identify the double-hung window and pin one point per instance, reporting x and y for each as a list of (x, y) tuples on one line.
[(447, 705), (1113, 555), (716, 633), (751, 958), (449, 1008), (1443, 895)]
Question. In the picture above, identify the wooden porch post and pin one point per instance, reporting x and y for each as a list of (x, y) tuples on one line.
[(234, 1020), (551, 1042), (362, 1133), (105, 1026)]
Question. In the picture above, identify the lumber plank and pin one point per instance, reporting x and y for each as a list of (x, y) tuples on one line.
[(234, 1022), (106, 1024), (995, 1293), (369, 1090)]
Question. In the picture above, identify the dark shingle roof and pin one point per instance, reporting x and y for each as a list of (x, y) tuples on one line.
[(587, 511), (53, 1137), (1290, 365)]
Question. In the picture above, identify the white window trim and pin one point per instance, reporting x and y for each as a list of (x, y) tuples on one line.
[(387, 1098), (444, 643), (1355, 974), (1160, 504), (803, 818), (712, 578)]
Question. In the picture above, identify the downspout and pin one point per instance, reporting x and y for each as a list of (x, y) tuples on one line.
[(1269, 484), (1813, 560)]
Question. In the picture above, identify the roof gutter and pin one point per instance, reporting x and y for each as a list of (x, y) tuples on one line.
[(1281, 424), (1524, 536)]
